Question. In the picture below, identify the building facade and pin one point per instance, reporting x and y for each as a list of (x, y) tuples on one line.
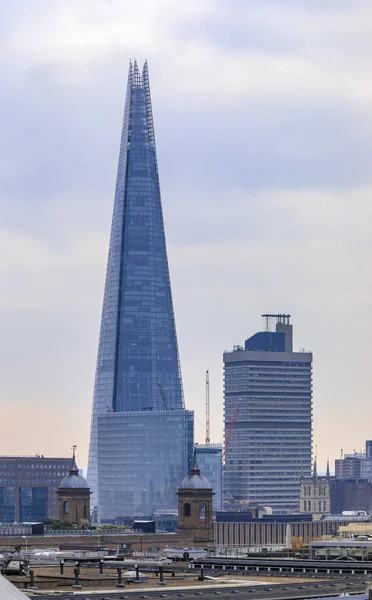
[(315, 495), (209, 459), (348, 467), (28, 486), (138, 370), (366, 466), (261, 533), (356, 465), (268, 418), (140, 470), (353, 494)]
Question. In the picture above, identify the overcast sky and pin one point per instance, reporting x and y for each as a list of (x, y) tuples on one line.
[(263, 118)]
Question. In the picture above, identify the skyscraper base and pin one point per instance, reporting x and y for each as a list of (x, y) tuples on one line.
[(142, 457)]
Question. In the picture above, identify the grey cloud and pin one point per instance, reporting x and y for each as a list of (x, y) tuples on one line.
[(263, 127)]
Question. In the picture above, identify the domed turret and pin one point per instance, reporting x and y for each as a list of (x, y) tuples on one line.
[(195, 496), (73, 480), (195, 481), (74, 496)]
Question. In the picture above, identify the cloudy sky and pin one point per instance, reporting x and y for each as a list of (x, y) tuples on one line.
[(263, 116)]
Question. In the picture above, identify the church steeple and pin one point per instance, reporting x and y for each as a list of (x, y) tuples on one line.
[(74, 468), (315, 471), (195, 470)]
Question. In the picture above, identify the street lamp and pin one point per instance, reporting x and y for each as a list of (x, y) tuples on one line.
[(25, 538)]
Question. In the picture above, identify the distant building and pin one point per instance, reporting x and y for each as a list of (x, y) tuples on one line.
[(356, 465), (268, 418), (354, 494), (315, 495), (209, 458), (28, 486), (366, 466), (348, 467)]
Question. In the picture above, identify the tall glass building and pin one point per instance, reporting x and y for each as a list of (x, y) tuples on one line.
[(138, 385), (268, 418)]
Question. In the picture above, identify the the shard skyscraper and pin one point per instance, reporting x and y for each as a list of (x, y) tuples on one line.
[(141, 435)]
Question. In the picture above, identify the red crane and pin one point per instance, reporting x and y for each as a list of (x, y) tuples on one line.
[(231, 429)]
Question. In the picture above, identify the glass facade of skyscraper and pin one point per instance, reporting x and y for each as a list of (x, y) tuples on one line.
[(268, 419), (138, 367), (141, 458)]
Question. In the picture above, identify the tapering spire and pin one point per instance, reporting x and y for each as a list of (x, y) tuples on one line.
[(194, 465), (315, 470), (74, 469), (327, 472)]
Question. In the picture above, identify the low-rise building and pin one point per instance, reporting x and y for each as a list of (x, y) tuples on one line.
[(28, 486)]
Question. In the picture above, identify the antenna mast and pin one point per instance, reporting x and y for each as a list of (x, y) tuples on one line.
[(207, 423)]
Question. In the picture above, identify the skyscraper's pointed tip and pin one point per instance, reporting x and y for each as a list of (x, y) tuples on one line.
[(136, 73), (130, 70)]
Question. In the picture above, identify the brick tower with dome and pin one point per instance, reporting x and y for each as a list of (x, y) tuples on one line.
[(195, 514), (74, 496)]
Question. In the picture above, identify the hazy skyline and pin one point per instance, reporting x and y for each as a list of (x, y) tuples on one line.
[(263, 125)]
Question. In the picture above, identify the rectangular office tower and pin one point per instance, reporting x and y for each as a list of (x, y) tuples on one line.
[(209, 459), (268, 418), (28, 487), (140, 432)]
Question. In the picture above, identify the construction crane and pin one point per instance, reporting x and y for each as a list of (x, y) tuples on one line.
[(207, 422), (231, 429)]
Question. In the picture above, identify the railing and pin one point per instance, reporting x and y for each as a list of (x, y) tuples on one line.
[(92, 532)]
